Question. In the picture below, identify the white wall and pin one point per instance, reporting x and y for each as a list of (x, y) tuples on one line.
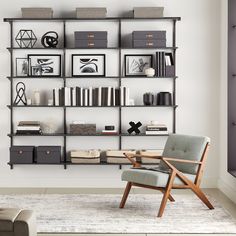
[(198, 69), (226, 183)]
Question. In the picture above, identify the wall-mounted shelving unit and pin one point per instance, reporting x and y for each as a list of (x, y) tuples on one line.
[(119, 78)]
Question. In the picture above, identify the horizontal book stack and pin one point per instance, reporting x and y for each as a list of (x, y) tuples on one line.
[(159, 129), (101, 96), (29, 128)]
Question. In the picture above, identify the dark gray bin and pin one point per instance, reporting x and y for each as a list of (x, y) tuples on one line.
[(158, 34), (21, 154), (90, 43), (170, 71), (149, 43), (80, 35), (48, 154)]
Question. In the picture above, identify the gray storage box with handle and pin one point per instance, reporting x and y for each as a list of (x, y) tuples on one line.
[(81, 35), (149, 43), (22, 154), (90, 43), (48, 154), (157, 34)]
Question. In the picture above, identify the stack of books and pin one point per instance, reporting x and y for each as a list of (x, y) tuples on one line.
[(159, 129), (29, 128), (101, 96), (165, 64)]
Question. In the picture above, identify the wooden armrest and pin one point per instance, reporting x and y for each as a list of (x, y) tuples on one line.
[(181, 160)]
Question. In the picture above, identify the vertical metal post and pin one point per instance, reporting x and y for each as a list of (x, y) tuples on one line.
[(11, 82), (120, 78), (174, 79), (64, 85)]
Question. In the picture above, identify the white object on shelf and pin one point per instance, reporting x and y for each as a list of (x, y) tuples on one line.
[(36, 97), (149, 72)]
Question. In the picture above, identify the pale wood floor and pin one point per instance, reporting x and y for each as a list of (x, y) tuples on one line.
[(215, 193)]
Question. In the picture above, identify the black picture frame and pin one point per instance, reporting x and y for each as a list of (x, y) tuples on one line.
[(90, 70), (141, 74), (33, 57)]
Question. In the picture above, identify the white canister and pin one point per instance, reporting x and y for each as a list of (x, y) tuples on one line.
[(150, 72), (36, 98)]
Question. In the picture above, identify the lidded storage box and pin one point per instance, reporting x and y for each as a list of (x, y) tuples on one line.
[(148, 12), (22, 154), (91, 12), (37, 12), (48, 154)]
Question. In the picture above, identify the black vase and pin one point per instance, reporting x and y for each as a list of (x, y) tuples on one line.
[(148, 99), (164, 99)]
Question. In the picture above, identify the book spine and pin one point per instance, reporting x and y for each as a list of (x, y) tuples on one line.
[(99, 96), (109, 96), (90, 96)]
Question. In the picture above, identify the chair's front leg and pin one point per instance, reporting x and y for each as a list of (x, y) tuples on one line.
[(125, 195), (167, 193)]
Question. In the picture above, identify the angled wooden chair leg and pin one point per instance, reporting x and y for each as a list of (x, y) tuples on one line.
[(202, 196), (125, 195), (166, 194), (170, 196)]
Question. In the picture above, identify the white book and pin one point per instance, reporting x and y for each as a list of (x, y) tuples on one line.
[(122, 96), (28, 128), (157, 132), (56, 96), (100, 96), (86, 97), (114, 96), (67, 96), (90, 96), (73, 97), (127, 97), (81, 97), (109, 97)]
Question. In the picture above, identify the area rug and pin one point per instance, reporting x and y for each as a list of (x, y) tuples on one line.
[(89, 213)]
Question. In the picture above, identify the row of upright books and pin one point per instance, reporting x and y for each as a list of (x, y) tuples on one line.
[(101, 96), (164, 64)]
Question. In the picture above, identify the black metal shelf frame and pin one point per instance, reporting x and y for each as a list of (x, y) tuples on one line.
[(120, 78)]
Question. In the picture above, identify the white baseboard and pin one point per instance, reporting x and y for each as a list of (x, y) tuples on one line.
[(227, 190)]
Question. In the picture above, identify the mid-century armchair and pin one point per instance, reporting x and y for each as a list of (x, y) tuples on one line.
[(181, 167)]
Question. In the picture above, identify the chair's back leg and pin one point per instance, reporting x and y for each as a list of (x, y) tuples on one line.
[(125, 195)]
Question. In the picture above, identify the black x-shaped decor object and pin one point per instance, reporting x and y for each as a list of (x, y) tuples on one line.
[(134, 127)]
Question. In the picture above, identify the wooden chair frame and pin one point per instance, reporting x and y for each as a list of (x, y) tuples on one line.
[(187, 184)]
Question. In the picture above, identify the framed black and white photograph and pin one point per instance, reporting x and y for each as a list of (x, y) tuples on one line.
[(136, 64), (22, 67), (88, 65), (45, 65)]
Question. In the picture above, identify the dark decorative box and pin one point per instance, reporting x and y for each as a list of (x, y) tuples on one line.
[(22, 154), (83, 129), (158, 34), (90, 43), (170, 71), (48, 154), (143, 43)]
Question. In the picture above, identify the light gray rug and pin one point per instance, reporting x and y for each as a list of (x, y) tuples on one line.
[(88, 213)]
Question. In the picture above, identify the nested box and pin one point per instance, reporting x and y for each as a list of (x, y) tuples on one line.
[(83, 129), (96, 35), (91, 12), (155, 34), (148, 12), (48, 154), (143, 43), (22, 154), (170, 71), (37, 12), (90, 43)]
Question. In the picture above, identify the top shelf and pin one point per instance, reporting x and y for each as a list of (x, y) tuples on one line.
[(91, 19)]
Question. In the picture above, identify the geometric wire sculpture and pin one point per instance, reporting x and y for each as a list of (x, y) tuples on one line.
[(26, 39), (50, 39)]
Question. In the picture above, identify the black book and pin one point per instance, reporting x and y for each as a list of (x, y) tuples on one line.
[(77, 89), (61, 96), (112, 97), (53, 97), (103, 96), (117, 96)]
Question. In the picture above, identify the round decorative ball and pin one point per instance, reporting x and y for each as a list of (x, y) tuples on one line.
[(150, 72)]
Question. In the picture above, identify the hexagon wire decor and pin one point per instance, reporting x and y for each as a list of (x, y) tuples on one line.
[(26, 39)]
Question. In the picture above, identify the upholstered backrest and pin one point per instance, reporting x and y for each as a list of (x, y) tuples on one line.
[(185, 147)]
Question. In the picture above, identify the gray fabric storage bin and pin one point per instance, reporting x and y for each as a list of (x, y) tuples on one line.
[(90, 43), (37, 12), (148, 12), (170, 71), (158, 34), (91, 12), (94, 35), (48, 154), (149, 43), (22, 154)]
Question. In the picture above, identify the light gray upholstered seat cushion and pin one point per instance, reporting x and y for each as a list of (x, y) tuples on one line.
[(150, 177), (7, 218), (185, 147)]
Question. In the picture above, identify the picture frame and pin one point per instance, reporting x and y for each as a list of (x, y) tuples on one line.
[(136, 64), (88, 65), (45, 65), (22, 67)]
